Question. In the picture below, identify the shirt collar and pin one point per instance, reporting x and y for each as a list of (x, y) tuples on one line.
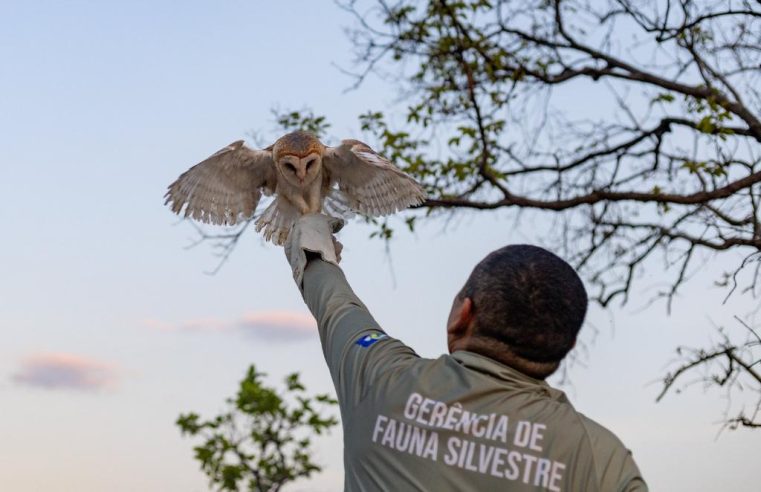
[(491, 367)]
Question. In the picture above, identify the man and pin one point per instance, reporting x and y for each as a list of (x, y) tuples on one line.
[(480, 418)]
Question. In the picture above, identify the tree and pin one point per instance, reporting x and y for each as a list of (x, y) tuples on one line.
[(728, 364), (625, 180), (663, 165), (673, 171), (262, 441)]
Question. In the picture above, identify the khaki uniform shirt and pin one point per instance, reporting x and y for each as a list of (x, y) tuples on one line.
[(459, 422)]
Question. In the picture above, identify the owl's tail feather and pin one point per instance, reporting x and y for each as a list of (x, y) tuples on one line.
[(276, 221)]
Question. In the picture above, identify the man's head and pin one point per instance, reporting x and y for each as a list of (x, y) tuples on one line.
[(522, 306)]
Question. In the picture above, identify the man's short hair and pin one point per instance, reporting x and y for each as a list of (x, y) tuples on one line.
[(528, 298)]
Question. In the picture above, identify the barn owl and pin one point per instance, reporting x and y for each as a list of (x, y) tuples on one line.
[(304, 175)]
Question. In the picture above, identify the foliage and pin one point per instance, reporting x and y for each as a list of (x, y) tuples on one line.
[(662, 164), (262, 441), (304, 120), (666, 159)]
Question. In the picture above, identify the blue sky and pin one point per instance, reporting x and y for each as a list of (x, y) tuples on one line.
[(109, 328)]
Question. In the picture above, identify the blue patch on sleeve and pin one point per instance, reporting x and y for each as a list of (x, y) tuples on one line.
[(370, 339)]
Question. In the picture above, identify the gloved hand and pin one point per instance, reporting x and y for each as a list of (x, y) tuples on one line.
[(312, 235)]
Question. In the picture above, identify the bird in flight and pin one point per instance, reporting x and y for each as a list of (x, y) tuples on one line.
[(304, 176)]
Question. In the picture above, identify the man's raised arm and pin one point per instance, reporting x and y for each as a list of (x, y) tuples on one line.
[(356, 349)]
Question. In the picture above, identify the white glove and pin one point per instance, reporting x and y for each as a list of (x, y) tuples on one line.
[(312, 233)]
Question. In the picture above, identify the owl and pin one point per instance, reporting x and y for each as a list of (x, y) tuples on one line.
[(304, 176)]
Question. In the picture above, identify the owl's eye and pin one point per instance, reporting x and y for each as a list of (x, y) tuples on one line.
[(309, 164), (290, 167)]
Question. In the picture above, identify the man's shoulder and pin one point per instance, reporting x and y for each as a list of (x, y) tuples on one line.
[(600, 436), (613, 461)]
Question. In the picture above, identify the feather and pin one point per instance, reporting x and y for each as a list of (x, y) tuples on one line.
[(226, 187), (276, 220), (372, 185), (336, 204)]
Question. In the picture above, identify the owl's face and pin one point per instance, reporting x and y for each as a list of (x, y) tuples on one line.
[(298, 157), (300, 170)]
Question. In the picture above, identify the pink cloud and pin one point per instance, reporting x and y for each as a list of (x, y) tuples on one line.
[(278, 325), (65, 371), (270, 325)]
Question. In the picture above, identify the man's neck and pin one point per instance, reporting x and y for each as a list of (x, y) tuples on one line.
[(502, 353)]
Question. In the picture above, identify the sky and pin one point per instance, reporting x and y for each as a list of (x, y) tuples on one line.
[(109, 327)]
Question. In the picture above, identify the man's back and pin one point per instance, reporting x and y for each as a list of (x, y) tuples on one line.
[(463, 421), (459, 422)]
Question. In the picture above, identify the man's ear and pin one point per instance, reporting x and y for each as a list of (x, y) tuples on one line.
[(460, 318)]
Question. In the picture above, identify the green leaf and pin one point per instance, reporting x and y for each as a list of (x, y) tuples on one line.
[(264, 440), (706, 125), (663, 97)]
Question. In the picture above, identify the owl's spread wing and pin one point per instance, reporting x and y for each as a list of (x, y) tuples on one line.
[(371, 184), (226, 187)]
